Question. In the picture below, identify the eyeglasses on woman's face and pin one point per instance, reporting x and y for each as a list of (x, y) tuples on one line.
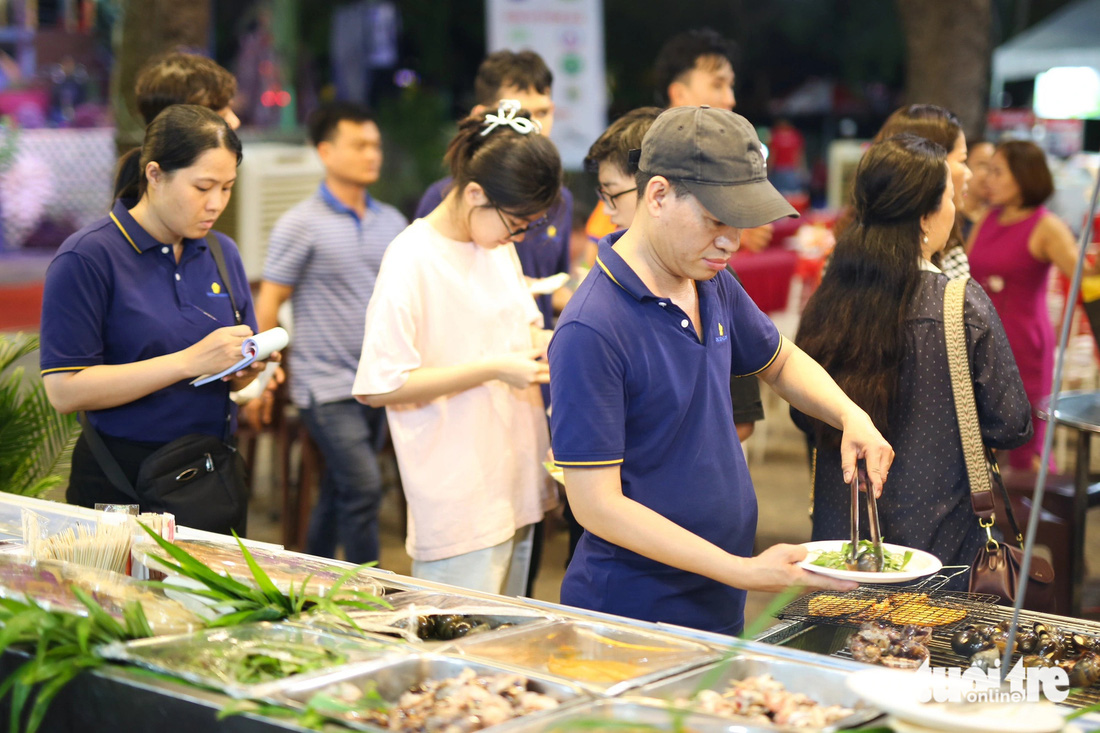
[(513, 233)]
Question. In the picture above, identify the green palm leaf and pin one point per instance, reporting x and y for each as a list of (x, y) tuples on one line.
[(195, 569), (263, 580), (36, 441), (51, 437), (13, 348)]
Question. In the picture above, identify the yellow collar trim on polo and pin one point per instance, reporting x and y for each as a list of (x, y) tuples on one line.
[(124, 232), (604, 268)]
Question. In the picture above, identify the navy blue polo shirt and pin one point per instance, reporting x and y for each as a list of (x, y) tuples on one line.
[(633, 385), (542, 253), (115, 295)]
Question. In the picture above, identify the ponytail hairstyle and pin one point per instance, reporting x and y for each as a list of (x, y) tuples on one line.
[(929, 121), (854, 324), (941, 126), (504, 153), (174, 139)]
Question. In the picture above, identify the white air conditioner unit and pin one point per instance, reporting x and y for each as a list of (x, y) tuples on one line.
[(272, 178), (843, 157)]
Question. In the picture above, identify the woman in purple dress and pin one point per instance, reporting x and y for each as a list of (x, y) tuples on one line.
[(1011, 252)]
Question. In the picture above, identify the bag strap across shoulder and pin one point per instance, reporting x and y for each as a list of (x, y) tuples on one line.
[(981, 465), (966, 409), (223, 272), (106, 461)]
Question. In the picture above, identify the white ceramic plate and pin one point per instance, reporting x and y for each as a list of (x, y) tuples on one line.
[(897, 693), (558, 474), (921, 564), (547, 285)]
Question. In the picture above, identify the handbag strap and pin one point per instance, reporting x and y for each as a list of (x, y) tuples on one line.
[(966, 410), (999, 480), (981, 464), (106, 460), (223, 272)]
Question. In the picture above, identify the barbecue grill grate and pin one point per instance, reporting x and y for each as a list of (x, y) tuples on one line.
[(921, 605)]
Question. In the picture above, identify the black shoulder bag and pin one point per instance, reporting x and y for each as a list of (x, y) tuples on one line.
[(198, 478)]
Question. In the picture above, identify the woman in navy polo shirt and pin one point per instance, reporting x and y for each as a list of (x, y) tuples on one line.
[(134, 308)]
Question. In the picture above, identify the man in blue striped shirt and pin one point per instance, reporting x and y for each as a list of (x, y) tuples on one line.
[(324, 256)]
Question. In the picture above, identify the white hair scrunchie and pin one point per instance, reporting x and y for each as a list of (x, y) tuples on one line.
[(506, 115)]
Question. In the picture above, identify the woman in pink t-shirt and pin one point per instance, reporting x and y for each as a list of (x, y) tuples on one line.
[(1011, 251), (454, 349)]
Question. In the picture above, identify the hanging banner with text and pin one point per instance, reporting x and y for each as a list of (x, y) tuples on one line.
[(568, 34)]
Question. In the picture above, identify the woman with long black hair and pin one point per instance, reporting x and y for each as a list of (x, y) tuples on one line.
[(942, 127), (876, 325)]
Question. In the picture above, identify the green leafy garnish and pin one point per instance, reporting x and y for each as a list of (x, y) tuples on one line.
[(307, 718), (265, 602), (64, 646), (892, 562)]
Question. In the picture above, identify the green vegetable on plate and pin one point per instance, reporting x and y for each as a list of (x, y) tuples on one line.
[(838, 559)]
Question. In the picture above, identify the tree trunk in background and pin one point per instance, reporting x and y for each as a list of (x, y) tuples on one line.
[(949, 47), (146, 29)]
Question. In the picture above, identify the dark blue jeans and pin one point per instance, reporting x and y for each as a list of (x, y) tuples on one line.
[(349, 435)]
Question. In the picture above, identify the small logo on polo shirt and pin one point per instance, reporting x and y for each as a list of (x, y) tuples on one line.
[(722, 336), (216, 291), (551, 231)]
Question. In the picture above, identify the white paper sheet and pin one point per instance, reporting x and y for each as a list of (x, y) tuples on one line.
[(255, 348)]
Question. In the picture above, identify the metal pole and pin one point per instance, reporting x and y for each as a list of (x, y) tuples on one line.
[(1048, 437)]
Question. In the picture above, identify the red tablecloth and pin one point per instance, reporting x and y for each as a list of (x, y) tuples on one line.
[(766, 276), (20, 306)]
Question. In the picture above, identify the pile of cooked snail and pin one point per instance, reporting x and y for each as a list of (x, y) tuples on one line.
[(1043, 645), (900, 647), (445, 626)]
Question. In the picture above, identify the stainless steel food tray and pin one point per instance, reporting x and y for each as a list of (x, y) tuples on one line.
[(627, 715), (499, 613), (392, 678), (822, 684), (170, 654), (447, 601), (400, 625), (582, 652)]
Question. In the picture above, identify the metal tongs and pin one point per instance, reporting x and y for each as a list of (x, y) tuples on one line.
[(873, 560)]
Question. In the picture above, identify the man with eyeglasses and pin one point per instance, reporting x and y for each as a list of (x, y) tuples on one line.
[(544, 250)]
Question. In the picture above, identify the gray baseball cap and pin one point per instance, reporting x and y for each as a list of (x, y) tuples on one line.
[(716, 155)]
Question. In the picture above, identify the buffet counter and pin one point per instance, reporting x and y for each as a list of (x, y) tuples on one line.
[(438, 646)]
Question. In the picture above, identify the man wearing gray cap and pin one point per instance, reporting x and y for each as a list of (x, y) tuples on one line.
[(640, 370)]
